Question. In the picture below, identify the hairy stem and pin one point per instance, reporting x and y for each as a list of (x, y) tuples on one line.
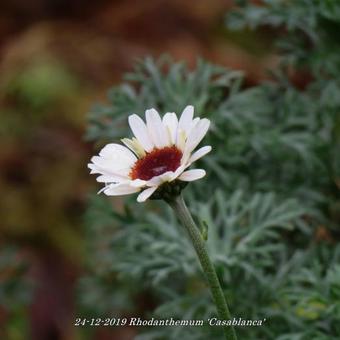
[(183, 214)]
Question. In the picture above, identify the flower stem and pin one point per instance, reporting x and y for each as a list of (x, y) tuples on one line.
[(183, 214)]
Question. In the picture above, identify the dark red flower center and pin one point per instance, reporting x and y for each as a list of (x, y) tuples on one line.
[(157, 162)]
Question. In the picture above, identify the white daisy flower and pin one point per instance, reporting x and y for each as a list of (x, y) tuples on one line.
[(160, 152)]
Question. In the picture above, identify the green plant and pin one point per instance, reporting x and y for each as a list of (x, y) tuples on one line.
[(270, 199)]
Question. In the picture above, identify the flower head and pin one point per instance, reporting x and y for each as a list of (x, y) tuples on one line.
[(158, 154)]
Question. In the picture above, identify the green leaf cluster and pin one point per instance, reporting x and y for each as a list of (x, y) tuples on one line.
[(270, 200)]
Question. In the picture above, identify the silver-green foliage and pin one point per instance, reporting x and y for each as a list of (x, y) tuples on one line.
[(270, 198)]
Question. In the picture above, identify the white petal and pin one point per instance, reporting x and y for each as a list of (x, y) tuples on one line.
[(106, 167), (168, 176), (94, 169), (144, 195), (196, 134), (192, 175), (185, 157), (120, 189), (137, 183), (170, 123), (199, 153), (134, 145), (179, 170), (158, 180), (115, 161), (186, 119), (118, 153), (193, 124), (110, 179), (156, 128), (181, 139), (139, 129), (103, 189)]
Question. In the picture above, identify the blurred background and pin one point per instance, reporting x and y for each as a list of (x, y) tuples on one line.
[(58, 57)]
